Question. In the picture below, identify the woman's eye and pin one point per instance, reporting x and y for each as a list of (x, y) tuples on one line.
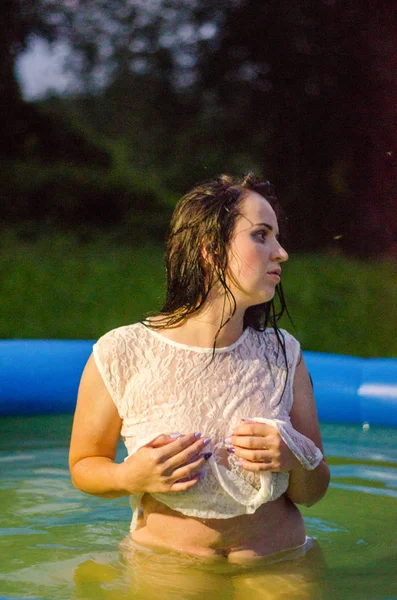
[(262, 235)]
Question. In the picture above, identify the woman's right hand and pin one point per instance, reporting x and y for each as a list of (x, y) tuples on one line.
[(165, 466)]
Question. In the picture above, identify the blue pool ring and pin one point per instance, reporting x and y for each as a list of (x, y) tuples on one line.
[(42, 377), (351, 389)]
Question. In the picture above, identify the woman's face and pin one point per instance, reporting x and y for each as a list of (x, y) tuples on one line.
[(255, 254)]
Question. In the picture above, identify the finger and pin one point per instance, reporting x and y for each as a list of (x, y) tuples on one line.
[(177, 446), (205, 456), (196, 476), (256, 467), (263, 456), (187, 454), (163, 439), (182, 486), (252, 442), (187, 471), (254, 428)]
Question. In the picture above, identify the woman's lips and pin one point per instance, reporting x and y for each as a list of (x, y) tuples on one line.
[(274, 276)]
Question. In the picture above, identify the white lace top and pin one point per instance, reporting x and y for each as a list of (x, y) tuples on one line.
[(161, 387)]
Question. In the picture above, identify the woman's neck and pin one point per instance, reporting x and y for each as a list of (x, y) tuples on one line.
[(201, 331), (201, 328)]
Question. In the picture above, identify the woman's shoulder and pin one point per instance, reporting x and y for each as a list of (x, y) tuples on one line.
[(279, 343), (122, 334), (119, 348), (286, 334), (271, 334)]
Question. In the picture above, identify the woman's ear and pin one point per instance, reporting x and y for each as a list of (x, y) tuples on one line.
[(209, 254)]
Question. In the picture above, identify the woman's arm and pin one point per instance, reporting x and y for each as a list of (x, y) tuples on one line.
[(157, 467), (306, 487), (95, 436)]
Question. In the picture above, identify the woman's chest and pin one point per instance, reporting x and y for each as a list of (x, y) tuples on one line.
[(211, 398)]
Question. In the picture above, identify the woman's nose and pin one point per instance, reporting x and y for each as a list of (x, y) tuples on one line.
[(279, 253), (284, 254)]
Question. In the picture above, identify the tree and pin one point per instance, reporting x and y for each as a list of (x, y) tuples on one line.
[(311, 88), (302, 91)]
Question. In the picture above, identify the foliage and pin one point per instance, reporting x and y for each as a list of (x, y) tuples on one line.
[(302, 92)]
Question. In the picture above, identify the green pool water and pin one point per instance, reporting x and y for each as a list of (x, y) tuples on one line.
[(49, 531)]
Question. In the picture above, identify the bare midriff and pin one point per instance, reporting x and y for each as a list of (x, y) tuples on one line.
[(274, 527)]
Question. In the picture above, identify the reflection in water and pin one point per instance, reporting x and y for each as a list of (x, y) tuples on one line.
[(142, 574)]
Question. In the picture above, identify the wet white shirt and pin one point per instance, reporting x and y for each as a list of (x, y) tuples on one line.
[(162, 387)]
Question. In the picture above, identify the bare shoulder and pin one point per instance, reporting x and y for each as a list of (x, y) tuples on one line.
[(93, 394), (96, 424)]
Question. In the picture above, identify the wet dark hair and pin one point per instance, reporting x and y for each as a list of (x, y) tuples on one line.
[(205, 218)]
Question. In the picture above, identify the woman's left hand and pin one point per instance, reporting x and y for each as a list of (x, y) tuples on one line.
[(259, 447)]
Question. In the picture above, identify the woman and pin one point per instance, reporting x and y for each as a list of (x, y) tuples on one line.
[(213, 400)]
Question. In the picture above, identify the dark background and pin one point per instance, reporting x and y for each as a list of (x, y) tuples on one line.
[(302, 92)]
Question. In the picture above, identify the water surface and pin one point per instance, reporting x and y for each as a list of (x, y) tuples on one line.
[(57, 543)]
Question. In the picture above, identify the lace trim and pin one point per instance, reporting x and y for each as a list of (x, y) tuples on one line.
[(195, 348)]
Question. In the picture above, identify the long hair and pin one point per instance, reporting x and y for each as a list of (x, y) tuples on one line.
[(205, 218)]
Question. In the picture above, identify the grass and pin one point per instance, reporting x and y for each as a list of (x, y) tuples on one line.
[(343, 305), (56, 287)]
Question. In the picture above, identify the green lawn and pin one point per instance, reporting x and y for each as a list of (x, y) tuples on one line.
[(58, 288), (343, 305)]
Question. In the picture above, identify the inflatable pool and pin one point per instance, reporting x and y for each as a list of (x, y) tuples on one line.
[(59, 543), (42, 376)]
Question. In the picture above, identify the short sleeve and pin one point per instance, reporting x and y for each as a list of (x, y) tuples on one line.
[(109, 354)]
